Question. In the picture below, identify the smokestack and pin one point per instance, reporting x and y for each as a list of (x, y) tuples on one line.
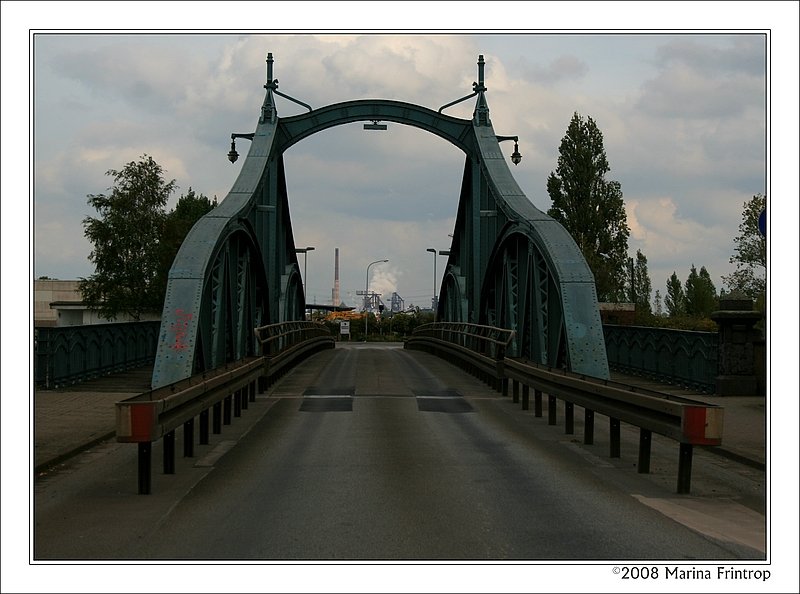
[(336, 300)]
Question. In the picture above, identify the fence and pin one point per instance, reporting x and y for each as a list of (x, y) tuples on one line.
[(680, 357), (69, 355)]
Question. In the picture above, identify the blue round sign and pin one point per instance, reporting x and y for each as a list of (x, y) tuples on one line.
[(762, 223)]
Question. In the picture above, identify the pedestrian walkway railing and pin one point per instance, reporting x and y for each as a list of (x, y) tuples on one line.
[(67, 355), (689, 422), (154, 415), (680, 357), (478, 349), (284, 344)]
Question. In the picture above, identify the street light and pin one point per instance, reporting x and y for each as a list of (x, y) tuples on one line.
[(366, 297), (304, 251), (232, 154), (515, 156), (433, 303)]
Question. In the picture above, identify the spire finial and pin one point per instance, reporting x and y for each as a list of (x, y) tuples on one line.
[(481, 114)]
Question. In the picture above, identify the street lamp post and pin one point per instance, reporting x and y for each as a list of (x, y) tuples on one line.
[(433, 303), (304, 251), (366, 297)]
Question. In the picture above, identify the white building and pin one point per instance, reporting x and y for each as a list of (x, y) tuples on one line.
[(59, 303)]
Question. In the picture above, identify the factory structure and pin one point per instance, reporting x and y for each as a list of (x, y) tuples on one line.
[(372, 302)]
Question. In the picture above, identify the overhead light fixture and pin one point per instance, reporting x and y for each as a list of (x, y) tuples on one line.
[(375, 126), (232, 154), (515, 156)]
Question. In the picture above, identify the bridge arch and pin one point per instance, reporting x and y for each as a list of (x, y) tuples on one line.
[(242, 254), (454, 130)]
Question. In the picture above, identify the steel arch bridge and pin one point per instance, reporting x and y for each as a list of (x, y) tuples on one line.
[(510, 265)]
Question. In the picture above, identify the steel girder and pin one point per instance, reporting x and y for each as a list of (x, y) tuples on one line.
[(236, 270), (513, 266), (510, 264)]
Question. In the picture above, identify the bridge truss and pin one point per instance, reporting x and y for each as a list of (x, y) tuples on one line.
[(510, 265)]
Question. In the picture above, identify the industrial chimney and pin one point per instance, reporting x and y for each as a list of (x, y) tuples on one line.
[(336, 300)]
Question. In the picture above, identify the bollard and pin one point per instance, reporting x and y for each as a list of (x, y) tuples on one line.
[(588, 427), (145, 450), (169, 452), (645, 440), (569, 418), (685, 468), (551, 409), (237, 403), (614, 435), (188, 438), (204, 427), (217, 420)]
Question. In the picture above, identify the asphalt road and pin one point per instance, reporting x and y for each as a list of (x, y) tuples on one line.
[(378, 453)]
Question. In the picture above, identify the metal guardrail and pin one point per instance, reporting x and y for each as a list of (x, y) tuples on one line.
[(283, 344), (687, 421), (480, 349), (156, 414)]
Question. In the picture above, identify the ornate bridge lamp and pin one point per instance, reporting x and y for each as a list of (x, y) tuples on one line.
[(516, 157)]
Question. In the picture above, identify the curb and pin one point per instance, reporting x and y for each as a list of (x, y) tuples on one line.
[(735, 457), (44, 466)]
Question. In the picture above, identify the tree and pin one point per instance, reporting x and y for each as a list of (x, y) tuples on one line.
[(177, 224), (750, 254), (591, 208), (126, 239), (641, 288), (674, 301), (657, 304), (700, 293)]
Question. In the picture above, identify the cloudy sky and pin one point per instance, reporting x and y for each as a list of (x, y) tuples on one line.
[(683, 117)]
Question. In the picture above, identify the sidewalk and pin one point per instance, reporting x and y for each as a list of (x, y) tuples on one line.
[(68, 421)]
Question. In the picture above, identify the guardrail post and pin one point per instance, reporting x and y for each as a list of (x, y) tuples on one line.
[(245, 397), (525, 396), (614, 435), (645, 440), (237, 403), (569, 418), (226, 410), (588, 426), (188, 438), (685, 468), (145, 459), (217, 419), (252, 390), (503, 385), (514, 391), (551, 409), (537, 403), (169, 452), (204, 427)]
